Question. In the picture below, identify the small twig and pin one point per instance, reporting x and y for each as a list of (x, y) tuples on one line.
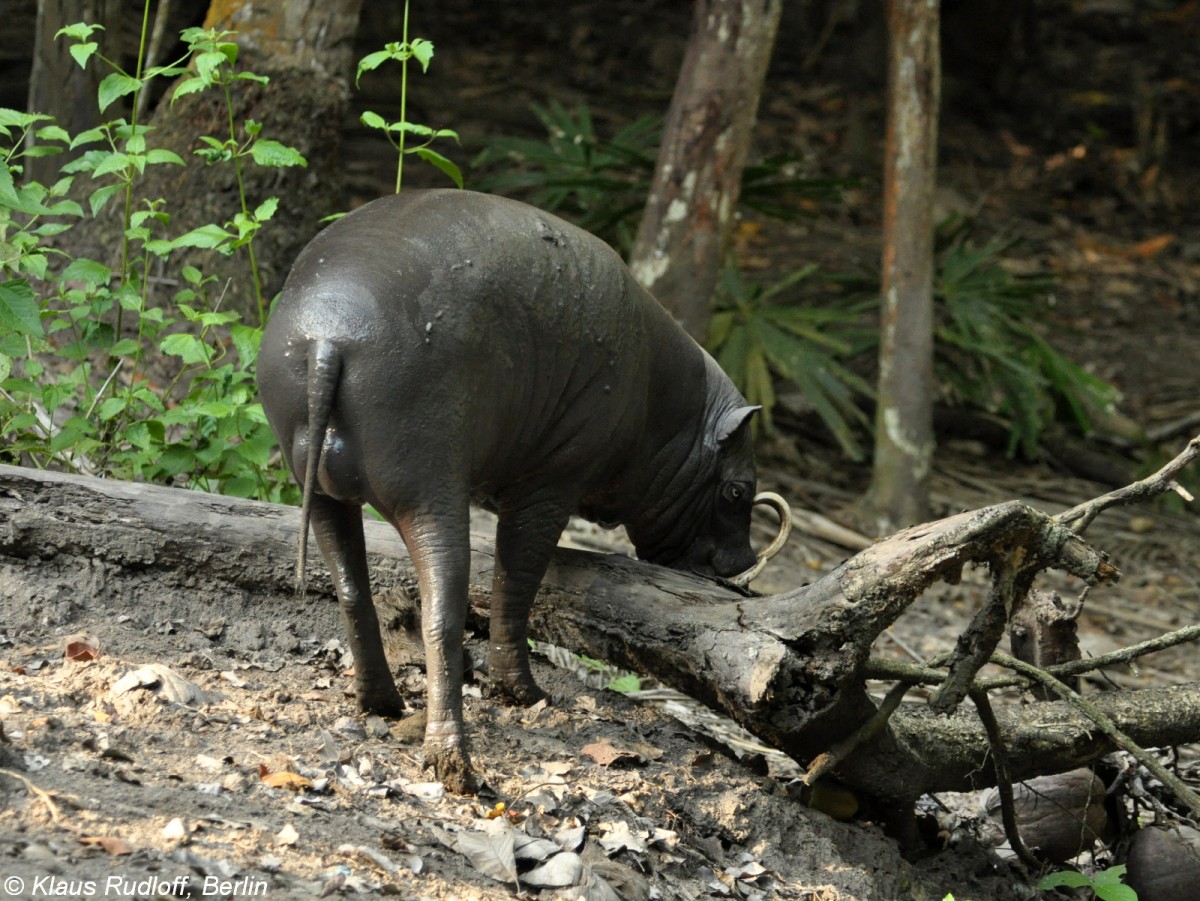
[(825, 762), (40, 793), (880, 668), (1185, 795), (108, 381), (1080, 517), (1008, 813)]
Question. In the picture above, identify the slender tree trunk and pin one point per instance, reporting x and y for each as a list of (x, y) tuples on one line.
[(58, 87), (904, 424), (683, 236)]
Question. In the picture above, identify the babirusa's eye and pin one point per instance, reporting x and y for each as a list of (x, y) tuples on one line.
[(732, 491)]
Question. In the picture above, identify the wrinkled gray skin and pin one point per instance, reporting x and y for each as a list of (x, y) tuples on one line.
[(443, 347)]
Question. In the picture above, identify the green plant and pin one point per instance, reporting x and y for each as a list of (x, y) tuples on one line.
[(1106, 885), (397, 132), (94, 377), (601, 184), (755, 336), (214, 58), (990, 355)]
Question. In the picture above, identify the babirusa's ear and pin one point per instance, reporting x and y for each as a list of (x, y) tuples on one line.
[(731, 425)]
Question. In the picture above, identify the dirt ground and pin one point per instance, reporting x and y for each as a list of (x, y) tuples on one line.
[(212, 745)]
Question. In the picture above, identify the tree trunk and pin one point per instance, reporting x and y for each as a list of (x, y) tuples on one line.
[(306, 50), (790, 667), (58, 87), (904, 415), (684, 233)]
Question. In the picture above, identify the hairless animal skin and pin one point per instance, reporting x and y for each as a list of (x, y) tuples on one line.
[(436, 348)]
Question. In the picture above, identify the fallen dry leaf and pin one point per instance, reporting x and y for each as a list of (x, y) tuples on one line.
[(291, 781), (114, 847), (1153, 246), (605, 754), (561, 870), (166, 682), (287, 835), (82, 648)]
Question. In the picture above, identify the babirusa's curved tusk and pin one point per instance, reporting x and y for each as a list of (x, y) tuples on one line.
[(773, 500)]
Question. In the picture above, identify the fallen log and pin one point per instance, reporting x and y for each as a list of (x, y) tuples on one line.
[(789, 667)]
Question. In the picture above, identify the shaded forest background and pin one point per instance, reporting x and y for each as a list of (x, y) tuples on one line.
[(1069, 125)]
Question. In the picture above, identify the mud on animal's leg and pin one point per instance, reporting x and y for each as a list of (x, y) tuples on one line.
[(439, 544), (526, 535), (339, 531)]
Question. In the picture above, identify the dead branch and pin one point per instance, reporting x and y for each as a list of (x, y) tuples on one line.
[(1081, 516)]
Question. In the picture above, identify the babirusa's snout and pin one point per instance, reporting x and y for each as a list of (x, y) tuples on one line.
[(780, 506)]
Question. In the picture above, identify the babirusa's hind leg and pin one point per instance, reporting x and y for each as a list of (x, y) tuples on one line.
[(529, 527), (339, 530), (438, 540)]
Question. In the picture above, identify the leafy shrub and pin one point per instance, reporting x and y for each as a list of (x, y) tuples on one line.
[(96, 375), (989, 354), (1106, 885), (756, 336), (399, 131), (601, 185)]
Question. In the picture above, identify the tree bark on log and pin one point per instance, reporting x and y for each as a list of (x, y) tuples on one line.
[(788, 667)]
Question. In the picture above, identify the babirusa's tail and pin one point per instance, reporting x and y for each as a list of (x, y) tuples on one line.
[(324, 370)]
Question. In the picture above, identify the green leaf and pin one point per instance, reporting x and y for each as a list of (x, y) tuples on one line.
[(11, 118), (159, 155), (1067, 878), (440, 162), (6, 366), (114, 406), (81, 53), (89, 272), (115, 86), (625, 684), (370, 62), (188, 347), (206, 237), (65, 208), (34, 263), (19, 308), (191, 85), (209, 63), (246, 340), (422, 50), (50, 229), (80, 31), (126, 347), (218, 409), (373, 120), (38, 151), (112, 162), (266, 152), (250, 76), (266, 209), (54, 133)]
